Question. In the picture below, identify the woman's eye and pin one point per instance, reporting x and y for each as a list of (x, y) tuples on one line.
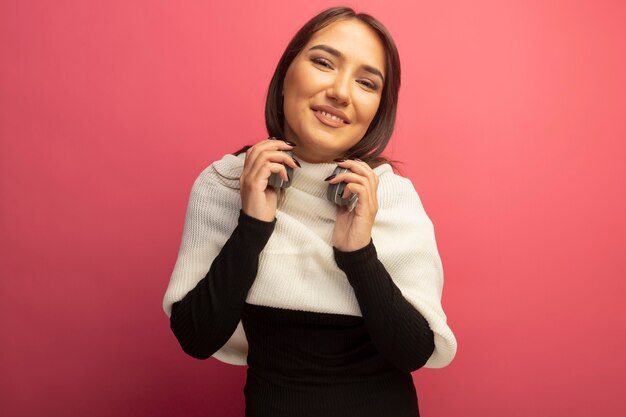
[(368, 84), (322, 62)]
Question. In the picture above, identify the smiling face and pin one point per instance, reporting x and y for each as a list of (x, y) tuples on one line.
[(332, 90)]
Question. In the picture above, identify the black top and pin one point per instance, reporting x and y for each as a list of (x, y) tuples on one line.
[(304, 363)]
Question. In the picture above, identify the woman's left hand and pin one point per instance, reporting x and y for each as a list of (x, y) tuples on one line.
[(353, 229)]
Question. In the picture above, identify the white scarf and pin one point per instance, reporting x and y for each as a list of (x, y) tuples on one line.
[(296, 268)]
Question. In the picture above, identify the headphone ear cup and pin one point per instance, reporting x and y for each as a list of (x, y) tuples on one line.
[(276, 180), (334, 192)]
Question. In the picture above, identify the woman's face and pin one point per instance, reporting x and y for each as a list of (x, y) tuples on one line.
[(332, 90)]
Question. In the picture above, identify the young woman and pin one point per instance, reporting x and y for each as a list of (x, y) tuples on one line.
[(330, 306)]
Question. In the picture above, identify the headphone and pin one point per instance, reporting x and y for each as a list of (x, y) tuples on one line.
[(334, 193)]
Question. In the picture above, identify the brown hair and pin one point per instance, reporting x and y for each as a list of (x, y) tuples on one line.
[(376, 138)]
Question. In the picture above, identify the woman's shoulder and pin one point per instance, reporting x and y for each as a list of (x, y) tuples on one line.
[(225, 171), (218, 181), (395, 189), (386, 174)]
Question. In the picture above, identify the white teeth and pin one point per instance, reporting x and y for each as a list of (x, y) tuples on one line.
[(331, 116)]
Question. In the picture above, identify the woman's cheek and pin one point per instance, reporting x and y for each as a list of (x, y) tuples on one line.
[(369, 110)]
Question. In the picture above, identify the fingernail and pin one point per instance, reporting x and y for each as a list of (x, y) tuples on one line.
[(296, 161), (271, 138), (330, 177), (357, 159), (288, 143), (339, 160)]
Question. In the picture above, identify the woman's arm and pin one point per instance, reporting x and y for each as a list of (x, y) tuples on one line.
[(398, 330), (207, 316)]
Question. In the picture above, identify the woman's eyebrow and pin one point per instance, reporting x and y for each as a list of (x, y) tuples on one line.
[(338, 54)]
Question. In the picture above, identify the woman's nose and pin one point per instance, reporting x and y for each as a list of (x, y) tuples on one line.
[(339, 90)]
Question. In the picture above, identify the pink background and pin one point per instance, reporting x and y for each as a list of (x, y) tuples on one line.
[(511, 126)]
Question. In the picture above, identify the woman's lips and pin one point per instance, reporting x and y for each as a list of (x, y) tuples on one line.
[(328, 120)]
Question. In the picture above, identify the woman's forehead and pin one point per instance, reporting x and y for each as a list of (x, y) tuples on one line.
[(354, 39)]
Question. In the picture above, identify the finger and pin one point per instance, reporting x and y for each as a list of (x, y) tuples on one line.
[(367, 191), (354, 188), (267, 145), (368, 182), (366, 200), (361, 168), (349, 177), (277, 157), (357, 164), (257, 180), (272, 167), (263, 169)]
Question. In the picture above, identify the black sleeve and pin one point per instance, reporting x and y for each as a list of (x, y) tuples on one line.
[(207, 316), (398, 330)]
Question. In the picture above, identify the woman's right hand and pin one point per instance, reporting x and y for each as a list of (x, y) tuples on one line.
[(262, 159)]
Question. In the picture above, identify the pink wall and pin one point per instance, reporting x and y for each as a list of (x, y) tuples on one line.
[(511, 127)]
